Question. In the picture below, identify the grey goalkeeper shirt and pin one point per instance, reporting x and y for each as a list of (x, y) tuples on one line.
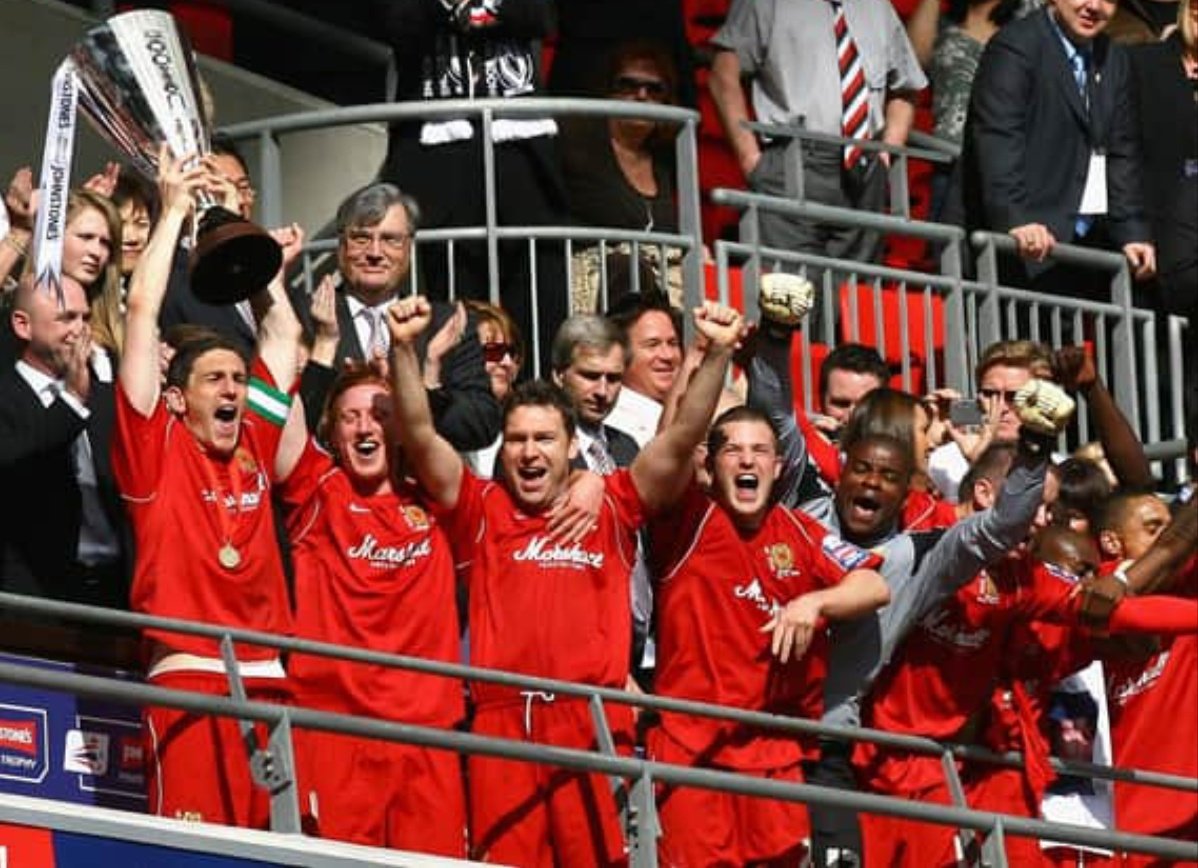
[(921, 569)]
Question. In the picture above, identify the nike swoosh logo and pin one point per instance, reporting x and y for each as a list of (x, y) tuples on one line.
[(353, 507)]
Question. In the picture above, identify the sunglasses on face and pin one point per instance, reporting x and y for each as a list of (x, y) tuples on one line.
[(495, 352), (1007, 397), (631, 85)]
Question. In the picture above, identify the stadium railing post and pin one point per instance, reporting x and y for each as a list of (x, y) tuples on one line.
[(643, 827), (272, 768)]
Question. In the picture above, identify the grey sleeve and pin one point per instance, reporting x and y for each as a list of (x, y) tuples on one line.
[(769, 392), (903, 71), (971, 544), (746, 31)]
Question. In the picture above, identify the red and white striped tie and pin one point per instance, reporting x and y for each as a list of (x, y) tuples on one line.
[(854, 96)]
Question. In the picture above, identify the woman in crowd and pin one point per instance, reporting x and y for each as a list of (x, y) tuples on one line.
[(90, 254), (137, 204), (503, 354), (618, 171), (970, 24)]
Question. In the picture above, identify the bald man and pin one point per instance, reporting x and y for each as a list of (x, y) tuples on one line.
[(66, 539)]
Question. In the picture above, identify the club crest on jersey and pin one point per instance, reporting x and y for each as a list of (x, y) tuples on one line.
[(782, 560), (416, 517), (245, 460), (844, 554)]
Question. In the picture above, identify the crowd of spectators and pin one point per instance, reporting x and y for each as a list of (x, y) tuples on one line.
[(378, 468)]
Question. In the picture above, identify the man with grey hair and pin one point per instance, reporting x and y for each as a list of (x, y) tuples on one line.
[(375, 227), (589, 355)]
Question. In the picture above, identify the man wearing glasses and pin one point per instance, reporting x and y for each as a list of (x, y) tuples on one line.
[(375, 226)]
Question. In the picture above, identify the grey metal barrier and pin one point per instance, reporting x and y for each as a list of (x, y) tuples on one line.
[(898, 303), (272, 765), (959, 318), (269, 132), (923, 147), (594, 298), (1124, 336), (907, 315)]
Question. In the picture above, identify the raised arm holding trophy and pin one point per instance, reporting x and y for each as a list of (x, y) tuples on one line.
[(137, 84)]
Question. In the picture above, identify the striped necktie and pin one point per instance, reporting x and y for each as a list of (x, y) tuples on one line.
[(854, 96), (601, 460)]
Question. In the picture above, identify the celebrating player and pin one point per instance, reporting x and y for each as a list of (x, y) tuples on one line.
[(372, 570), (195, 474), (541, 607)]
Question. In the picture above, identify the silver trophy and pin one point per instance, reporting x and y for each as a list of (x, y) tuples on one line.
[(138, 86)]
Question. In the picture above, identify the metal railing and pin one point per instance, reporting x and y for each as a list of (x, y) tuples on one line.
[(969, 314), (273, 766), (268, 133), (928, 149), (959, 318), (1124, 337)]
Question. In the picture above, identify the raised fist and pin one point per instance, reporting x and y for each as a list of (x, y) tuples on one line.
[(408, 318), (719, 325)]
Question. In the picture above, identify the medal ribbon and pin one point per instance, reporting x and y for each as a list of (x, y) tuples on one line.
[(223, 519), (56, 179)]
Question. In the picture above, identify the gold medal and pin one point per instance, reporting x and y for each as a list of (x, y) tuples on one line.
[(229, 557)]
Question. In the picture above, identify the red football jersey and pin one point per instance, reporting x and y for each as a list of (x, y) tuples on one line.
[(925, 511), (716, 589), (946, 668), (370, 572), (542, 607), (1154, 726), (167, 481)]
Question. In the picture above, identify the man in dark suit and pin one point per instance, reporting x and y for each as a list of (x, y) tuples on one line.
[(63, 533), (1050, 151), (375, 226)]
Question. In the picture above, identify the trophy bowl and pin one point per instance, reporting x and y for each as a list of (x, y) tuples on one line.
[(138, 87)]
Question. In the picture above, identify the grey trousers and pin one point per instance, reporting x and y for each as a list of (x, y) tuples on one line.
[(825, 182)]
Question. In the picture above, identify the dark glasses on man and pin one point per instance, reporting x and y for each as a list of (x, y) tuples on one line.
[(494, 352), (1007, 397)]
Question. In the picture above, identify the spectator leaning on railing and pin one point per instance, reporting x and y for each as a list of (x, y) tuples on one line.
[(845, 69), (1051, 152)]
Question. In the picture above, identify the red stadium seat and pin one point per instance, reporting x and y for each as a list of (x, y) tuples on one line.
[(736, 285), (870, 334), (819, 352)]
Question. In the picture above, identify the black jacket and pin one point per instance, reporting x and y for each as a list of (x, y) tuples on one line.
[(1029, 137), (465, 411), (39, 529)]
